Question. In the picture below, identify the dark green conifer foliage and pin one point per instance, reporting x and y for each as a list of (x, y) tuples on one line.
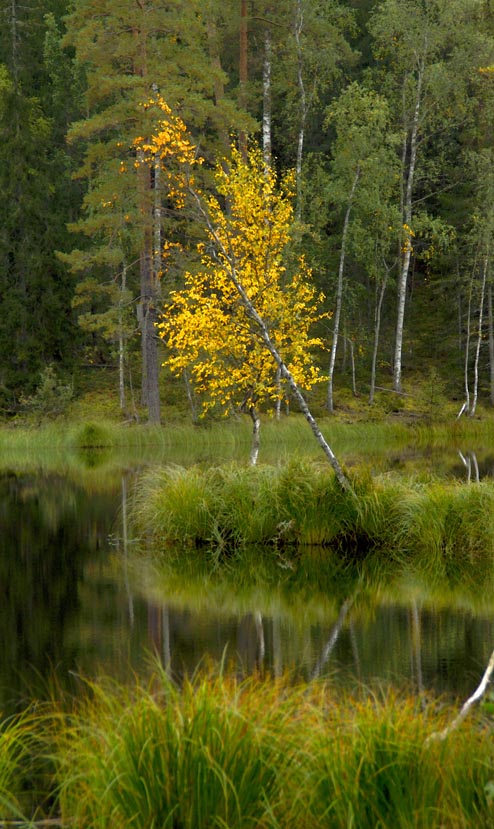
[(130, 51)]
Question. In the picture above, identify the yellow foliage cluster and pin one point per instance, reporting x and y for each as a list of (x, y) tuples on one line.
[(170, 147), (208, 327)]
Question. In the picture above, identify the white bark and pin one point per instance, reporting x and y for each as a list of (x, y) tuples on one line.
[(479, 339), (121, 340), (333, 638), (476, 696), (377, 331), (303, 107), (491, 343), (339, 290), (256, 430), (263, 331), (407, 220), (266, 99)]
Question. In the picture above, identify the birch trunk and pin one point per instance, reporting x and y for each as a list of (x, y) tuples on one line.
[(150, 380), (479, 339), (377, 333), (491, 343), (339, 291), (243, 70), (466, 404), (121, 341), (299, 25), (285, 373), (256, 430), (407, 220), (266, 100)]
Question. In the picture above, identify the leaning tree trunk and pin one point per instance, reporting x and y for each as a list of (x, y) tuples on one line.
[(263, 331)]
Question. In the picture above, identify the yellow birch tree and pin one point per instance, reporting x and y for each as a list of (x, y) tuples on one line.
[(211, 330)]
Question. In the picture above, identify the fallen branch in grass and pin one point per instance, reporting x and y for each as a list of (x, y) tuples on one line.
[(476, 696)]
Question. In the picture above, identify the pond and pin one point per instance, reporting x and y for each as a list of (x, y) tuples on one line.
[(80, 597)]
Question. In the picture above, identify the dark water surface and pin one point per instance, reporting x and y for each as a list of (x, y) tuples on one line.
[(74, 603)]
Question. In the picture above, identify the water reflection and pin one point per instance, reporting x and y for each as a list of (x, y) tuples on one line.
[(79, 595), (359, 629)]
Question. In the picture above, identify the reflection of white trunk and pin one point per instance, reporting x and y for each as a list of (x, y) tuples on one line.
[(355, 651), (470, 462), (330, 644), (124, 540), (277, 654), (417, 647), (339, 290), (261, 645), (166, 647)]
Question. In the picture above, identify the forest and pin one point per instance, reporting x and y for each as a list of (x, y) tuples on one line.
[(370, 127)]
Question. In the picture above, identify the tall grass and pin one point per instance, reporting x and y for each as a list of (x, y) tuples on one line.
[(223, 753), (220, 752), (373, 767), (18, 746), (301, 504), (202, 756)]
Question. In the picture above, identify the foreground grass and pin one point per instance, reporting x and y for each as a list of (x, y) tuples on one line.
[(218, 752), (301, 504)]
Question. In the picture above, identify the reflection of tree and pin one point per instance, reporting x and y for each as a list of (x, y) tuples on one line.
[(124, 545), (251, 644), (46, 534), (417, 647), (333, 637), (470, 463)]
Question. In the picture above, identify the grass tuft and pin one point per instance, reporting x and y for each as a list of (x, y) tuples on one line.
[(301, 504)]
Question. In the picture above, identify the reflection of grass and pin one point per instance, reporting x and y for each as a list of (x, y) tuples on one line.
[(219, 752), (374, 444)]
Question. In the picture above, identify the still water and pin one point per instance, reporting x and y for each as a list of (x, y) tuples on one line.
[(80, 598)]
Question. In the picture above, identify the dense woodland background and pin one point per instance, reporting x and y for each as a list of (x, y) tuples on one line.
[(385, 111)]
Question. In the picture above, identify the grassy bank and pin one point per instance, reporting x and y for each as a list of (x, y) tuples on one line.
[(219, 752), (301, 504), (223, 439)]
